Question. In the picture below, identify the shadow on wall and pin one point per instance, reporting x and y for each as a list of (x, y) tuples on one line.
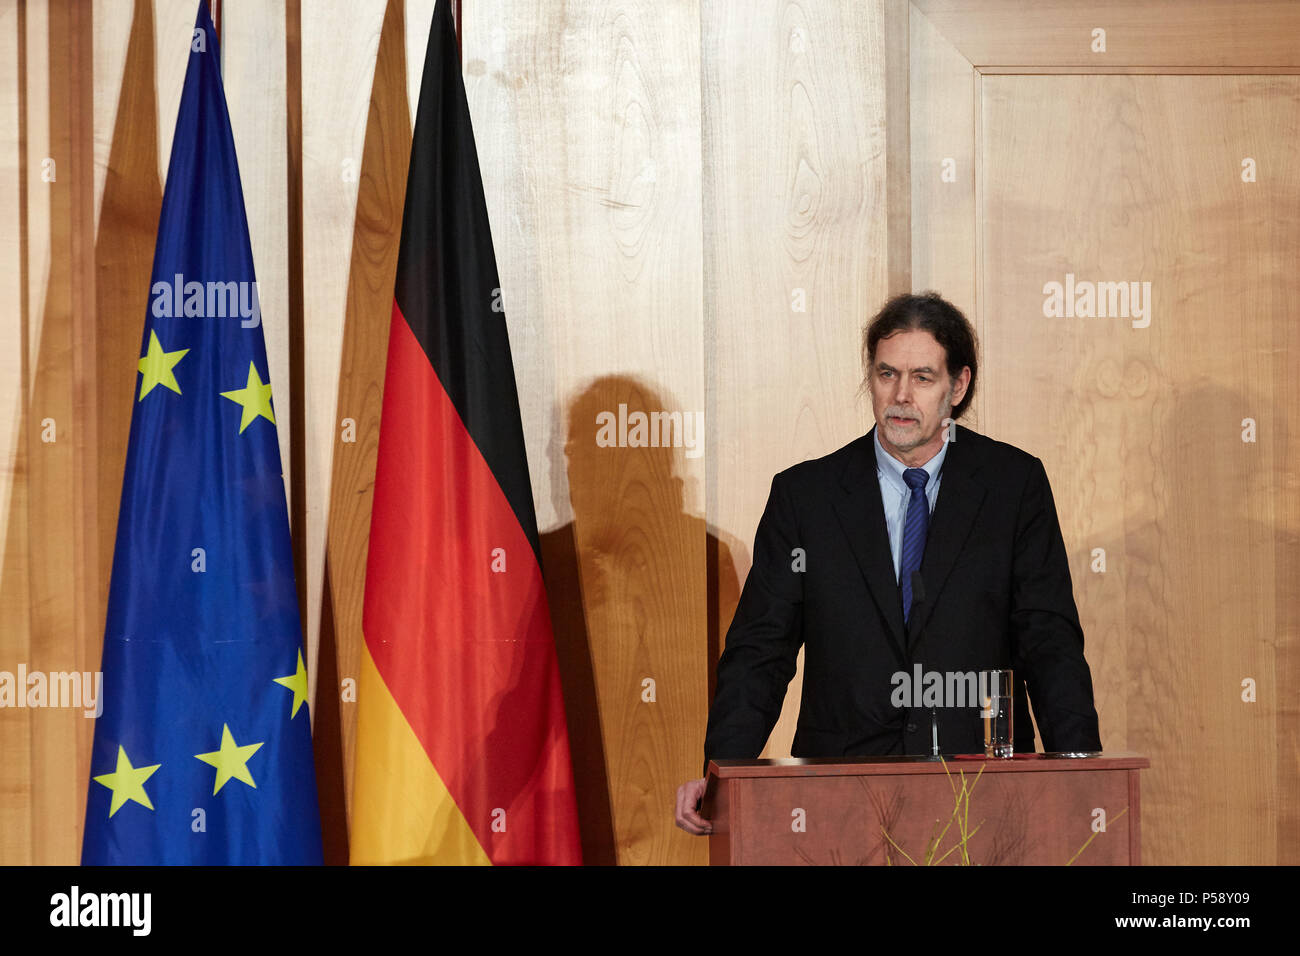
[(39, 583), (626, 599), (372, 269)]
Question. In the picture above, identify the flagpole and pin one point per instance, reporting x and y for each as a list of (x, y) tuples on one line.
[(460, 30), (214, 8)]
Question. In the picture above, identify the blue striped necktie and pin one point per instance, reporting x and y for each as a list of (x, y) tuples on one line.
[(914, 529)]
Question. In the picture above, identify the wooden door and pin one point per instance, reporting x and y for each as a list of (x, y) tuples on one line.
[(1109, 191)]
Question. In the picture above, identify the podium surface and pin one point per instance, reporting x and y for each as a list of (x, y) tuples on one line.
[(1032, 809)]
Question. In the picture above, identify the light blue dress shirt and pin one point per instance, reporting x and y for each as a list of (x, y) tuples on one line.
[(895, 494)]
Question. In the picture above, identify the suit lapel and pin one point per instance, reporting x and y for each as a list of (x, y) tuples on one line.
[(862, 517), (960, 496)]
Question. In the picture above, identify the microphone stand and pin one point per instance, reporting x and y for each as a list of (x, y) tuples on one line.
[(918, 602)]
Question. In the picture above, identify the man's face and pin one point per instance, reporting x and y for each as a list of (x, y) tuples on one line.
[(912, 394)]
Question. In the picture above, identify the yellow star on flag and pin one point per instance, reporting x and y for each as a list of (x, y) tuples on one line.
[(127, 782), (296, 682), (255, 397), (156, 367), (231, 760)]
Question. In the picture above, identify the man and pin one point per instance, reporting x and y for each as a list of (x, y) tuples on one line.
[(921, 545)]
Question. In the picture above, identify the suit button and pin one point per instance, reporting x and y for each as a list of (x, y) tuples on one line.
[(911, 728)]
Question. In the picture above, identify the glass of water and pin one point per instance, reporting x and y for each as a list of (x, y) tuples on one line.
[(996, 691)]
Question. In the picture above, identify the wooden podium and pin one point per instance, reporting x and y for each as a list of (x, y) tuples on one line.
[(1032, 809)]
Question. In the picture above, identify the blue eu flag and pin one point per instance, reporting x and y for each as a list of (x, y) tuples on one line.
[(203, 751)]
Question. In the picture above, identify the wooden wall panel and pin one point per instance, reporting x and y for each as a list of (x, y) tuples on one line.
[(114, 20), (943, 91), (1141, 428), (1285, 521), (253, 58), (15, 737), (60, 431), (173, 30), (35, 136), (339, 46), (11, 257), (667, 183), (588, 124), (126, 148), (1058, 34), (796, 251), (417, 16), (382, 169)]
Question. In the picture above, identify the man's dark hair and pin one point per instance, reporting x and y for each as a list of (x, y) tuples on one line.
[(929, 312)]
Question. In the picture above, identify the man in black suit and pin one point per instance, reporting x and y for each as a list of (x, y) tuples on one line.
[(922, 547)]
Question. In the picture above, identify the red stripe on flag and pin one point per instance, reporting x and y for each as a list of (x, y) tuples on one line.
[(467, 651)]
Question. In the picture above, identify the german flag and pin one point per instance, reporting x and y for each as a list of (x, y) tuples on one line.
[(462, 752)]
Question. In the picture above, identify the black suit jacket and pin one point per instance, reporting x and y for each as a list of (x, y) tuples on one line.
[(997, 594)]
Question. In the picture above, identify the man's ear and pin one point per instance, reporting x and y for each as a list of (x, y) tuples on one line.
[(960, 384)]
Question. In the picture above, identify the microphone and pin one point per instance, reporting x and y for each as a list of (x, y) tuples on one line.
[(918, 598)]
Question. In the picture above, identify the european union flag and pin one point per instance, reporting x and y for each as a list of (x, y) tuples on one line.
[(203, 752)]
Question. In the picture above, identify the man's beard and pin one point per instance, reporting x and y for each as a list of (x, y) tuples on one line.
[(910, 438)]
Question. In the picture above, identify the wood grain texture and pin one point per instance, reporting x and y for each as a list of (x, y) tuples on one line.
[(114, 21), (943, 175), (796, 244), (384, 159), (896, 47), (124, 245), (587, 118), (16, 820), (417, 16), (173, 33), (665, 183), (61, 548), (1019, 813), (12, 216), (35, 137), (340, 43), (1058, 33), (253, 57), (1141, 428)]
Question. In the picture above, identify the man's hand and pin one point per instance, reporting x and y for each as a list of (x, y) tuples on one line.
[(688, 818)]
